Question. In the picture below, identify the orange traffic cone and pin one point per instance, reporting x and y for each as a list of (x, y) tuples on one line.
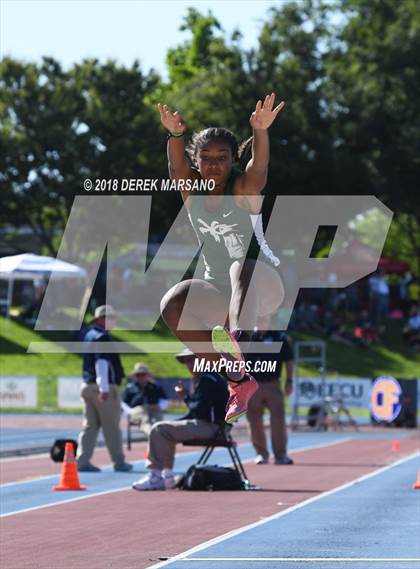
[(69, 479), (416, 485), (396, 447)]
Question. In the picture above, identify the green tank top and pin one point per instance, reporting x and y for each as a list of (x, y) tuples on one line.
[(225, 235)]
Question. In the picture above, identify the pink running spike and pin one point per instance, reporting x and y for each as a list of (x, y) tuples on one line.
[(240, 393)]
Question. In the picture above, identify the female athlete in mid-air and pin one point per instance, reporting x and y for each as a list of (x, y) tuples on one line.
[(221, 309)]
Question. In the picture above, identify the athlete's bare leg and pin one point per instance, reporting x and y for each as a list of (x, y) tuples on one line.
[(243, 303), (270, 289), (257, 290), (191, 309)]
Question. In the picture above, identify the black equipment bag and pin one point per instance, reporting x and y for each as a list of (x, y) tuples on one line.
[(211, 477), (57, 450)]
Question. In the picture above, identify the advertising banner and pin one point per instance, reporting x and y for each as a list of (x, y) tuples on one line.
[(18, 391), (353, 391), (68, 392)]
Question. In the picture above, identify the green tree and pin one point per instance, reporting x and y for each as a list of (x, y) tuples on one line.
[(214, 81), (372, 75), (38, 108), (289, 61), (349, 71), (59, 127), (209, 80)]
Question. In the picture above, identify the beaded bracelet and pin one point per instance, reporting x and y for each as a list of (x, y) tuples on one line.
[(175, 134)]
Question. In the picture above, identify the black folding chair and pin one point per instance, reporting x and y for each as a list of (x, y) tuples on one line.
[(222, 439), (130, 439)]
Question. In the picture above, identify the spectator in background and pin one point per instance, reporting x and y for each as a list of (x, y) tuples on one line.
[(338, 332), (353, 298), (403, 292), (143, 400), (307, 316), (364, 333), (270, 395), (30, 314), (100, 393), (379, 297), (206, 412), (414, 292), (411, 332), (406, 418)]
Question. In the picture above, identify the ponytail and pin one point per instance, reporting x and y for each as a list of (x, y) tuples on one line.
[(245, 153)]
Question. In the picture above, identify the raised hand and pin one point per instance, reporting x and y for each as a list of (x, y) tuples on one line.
[(172, 121), (264, 114)]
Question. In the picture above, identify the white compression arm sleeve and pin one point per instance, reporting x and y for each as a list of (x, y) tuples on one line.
[(102, 370), (256, 220)]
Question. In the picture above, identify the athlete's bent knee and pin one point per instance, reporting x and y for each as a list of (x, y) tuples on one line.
[(172, 304)]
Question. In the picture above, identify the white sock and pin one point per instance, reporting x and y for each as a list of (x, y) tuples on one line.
[(167, 473), (156, 473)]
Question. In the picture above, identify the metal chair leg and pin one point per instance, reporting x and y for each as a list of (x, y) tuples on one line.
[(128, 435)]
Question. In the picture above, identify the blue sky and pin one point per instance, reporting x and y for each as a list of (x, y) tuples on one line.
[(71, 30)]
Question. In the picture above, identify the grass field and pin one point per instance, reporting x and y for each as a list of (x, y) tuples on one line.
[(390, 357)]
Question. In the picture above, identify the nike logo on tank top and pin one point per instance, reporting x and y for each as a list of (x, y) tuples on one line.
[(224, 230)]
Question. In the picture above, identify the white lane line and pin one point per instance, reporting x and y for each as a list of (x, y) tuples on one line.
[(178, 455), (140, 463), (78, 498), (23, 457), (28, 480), (84, 497), (104, 468), (238, 531), (308, 559), (321, 445)]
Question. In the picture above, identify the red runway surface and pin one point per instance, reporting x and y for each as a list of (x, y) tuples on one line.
[(131, 530)]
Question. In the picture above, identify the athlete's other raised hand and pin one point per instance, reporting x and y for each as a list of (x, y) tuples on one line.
[(264, 114), (172, 121)]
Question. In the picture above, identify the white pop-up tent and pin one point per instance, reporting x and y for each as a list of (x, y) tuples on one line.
[(31, 267)]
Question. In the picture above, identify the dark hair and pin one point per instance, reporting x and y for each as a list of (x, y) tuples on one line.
[(245, 153), (240, 154)]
